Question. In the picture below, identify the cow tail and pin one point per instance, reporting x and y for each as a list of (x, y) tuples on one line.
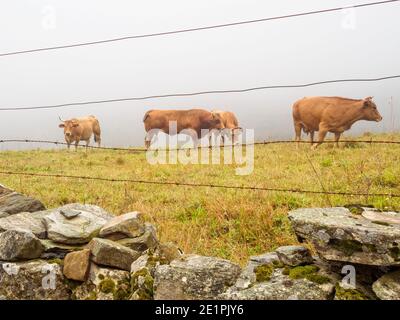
[(146, 115)]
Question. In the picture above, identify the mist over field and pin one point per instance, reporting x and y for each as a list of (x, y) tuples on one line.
[(328, 46)]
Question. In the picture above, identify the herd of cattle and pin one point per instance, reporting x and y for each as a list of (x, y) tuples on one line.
[(322, 114)]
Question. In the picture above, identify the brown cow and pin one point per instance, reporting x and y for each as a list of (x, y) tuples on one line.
[(331, 114), (78, 129), (231, 125), (194, 119)]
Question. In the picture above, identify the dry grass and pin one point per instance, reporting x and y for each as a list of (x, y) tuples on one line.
[(232, 224)]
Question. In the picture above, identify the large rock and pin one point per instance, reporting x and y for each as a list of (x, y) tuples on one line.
[(367, 237), (104, 284), (14, 202), (76, 265), (194, 277), (281, 287), (81, 228), (128, 225), (110, 253), (19, 245), (388, 286), (33, 280), (30, 221), (294, 255), (148, 240)]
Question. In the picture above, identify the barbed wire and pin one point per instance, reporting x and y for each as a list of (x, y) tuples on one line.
[(165, 33), (198, 147), (80, 103), (187, 184)]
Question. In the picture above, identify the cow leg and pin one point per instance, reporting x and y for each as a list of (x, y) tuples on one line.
[(147, 140), (69, 145), (297, 129), (76, 145), (87, 144), (97, 139), (337, 137), (312, 137), (321, 136)]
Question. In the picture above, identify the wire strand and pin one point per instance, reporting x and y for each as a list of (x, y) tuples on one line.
[(54, 106), (218, 26), (198, 147), (187, 184)]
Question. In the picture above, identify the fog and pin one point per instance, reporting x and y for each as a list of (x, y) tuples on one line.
[(350, 44)]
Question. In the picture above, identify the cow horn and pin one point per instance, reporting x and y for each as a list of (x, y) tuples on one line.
[(61, 119)]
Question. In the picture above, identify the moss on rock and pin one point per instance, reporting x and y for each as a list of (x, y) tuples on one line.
[(348, 247), (349, 294), (264, 272), (107, 286)]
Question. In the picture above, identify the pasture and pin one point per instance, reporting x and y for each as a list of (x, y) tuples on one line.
[(228, 223)]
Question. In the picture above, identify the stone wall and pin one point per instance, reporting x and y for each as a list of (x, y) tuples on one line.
[(83, 252)]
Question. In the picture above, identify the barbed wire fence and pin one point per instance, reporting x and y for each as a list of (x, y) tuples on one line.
[(184, 94)]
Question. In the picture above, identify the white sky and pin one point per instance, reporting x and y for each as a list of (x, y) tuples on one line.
[(298, 50)]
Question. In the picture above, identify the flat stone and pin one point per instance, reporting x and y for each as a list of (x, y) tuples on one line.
[(110, 253), (33, 280), (148, 240), (54, 250), (76, 265), (128, 225), (19, 245), (294, 255), (194, 277), (281, 287), (339, 235), (14, 202), (387, 287), (76, 230), (68, 213), (29, 221)]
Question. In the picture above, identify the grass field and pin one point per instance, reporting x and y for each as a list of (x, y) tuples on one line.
[(232, 224)]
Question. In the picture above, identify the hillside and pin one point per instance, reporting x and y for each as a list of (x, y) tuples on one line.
[(228, 223)]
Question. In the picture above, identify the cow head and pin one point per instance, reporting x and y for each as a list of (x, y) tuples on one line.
[(69, 127), (216, 121), (370, 110)]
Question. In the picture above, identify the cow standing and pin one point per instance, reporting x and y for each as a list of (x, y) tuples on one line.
[(231, 125), (193, 119), (78, 129), (331, 114)]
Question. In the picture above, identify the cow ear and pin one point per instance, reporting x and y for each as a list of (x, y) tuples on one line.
[(61, 125)]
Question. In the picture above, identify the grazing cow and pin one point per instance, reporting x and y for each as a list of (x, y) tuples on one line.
[(78, 129), (331, 114), (231, 125), (194, 119)]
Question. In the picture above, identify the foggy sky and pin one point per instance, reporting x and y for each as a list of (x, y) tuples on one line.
[(291, 51)]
